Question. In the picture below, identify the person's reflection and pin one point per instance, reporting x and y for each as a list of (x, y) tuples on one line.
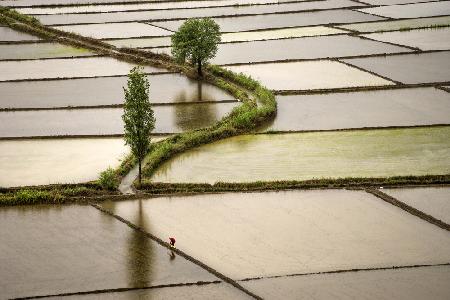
[(193, 116), (172, 255), (140, 253)]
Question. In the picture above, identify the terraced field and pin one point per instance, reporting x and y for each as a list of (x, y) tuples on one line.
[(362, 91)]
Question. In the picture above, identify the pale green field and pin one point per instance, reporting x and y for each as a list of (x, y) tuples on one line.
[(302, 156)]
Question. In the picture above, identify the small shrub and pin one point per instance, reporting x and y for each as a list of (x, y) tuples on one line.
[(108, 180)]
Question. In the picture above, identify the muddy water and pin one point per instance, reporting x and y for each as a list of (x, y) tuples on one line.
[(409, 68), (219, 291), (66, 68), (9, 35), (40, 50), (309, 75), (303, 48), (403, 107), (147, 15), (276, 233), (416, 10), (115, 30), (142, 6), (107, 121), (246, 23), (302, 156), (432, 201), (37, 162), (164, 88), (63, 249), (403, 284), (425, 39), (20, 3), (397, 24)]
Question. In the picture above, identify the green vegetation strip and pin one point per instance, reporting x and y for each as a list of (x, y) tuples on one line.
[(93, 192)]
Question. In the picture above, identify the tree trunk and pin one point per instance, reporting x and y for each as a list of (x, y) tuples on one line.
[(199, 68), (139, 172)]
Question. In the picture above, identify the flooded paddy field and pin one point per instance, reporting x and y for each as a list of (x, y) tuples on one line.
[(398, 24), (149, 15), (9, 35), (409, 68), (303, 156), (248, 23), (383, 108), (415, 10), (301, 48), (164, 88), (115, 30), (402, 284), (424, 39), (392, 2), (40, 50), (66, 249), (433, 201), (279, 233), (66, 68), (309, 75), (49, 161), (246, 36), (145, 5), (107, 121), (219, 291)]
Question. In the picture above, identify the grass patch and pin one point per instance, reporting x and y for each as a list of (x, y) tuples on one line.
[(182, 188)]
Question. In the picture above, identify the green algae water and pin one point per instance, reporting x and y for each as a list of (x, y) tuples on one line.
[(302, 156)]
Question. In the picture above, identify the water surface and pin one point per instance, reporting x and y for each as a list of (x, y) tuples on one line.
[(424, 39), (65, 249), (152, 15), (107, 121), (300, 48), (67, 68), (302, 156), (164, 88), (246, 23), (40, 50), (415, 10), (277, 233), (309, 75), (398, 24), (402, 284), (409, 68), (402, 107), (219, 291), (115, 30), (434, 201), (140, 6), (10, 35)]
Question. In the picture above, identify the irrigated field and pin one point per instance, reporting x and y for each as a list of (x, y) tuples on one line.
[(362, 90)]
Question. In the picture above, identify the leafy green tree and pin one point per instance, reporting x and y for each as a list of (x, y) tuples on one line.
[(196, 40), (138, 117)]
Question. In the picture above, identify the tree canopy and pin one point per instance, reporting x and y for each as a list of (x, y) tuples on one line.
[(196, 40), (138, 117)]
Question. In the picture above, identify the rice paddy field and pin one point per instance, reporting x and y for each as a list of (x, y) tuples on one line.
[(362, 91)]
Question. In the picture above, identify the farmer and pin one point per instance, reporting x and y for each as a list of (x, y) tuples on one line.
[(172, 242)]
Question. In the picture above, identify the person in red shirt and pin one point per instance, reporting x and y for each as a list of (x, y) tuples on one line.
[(172, 242)]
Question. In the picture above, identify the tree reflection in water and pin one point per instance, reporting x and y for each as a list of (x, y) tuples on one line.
[(193, 116)]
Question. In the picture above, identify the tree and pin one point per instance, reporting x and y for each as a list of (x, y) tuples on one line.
[(196, 40), (138, 115)]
